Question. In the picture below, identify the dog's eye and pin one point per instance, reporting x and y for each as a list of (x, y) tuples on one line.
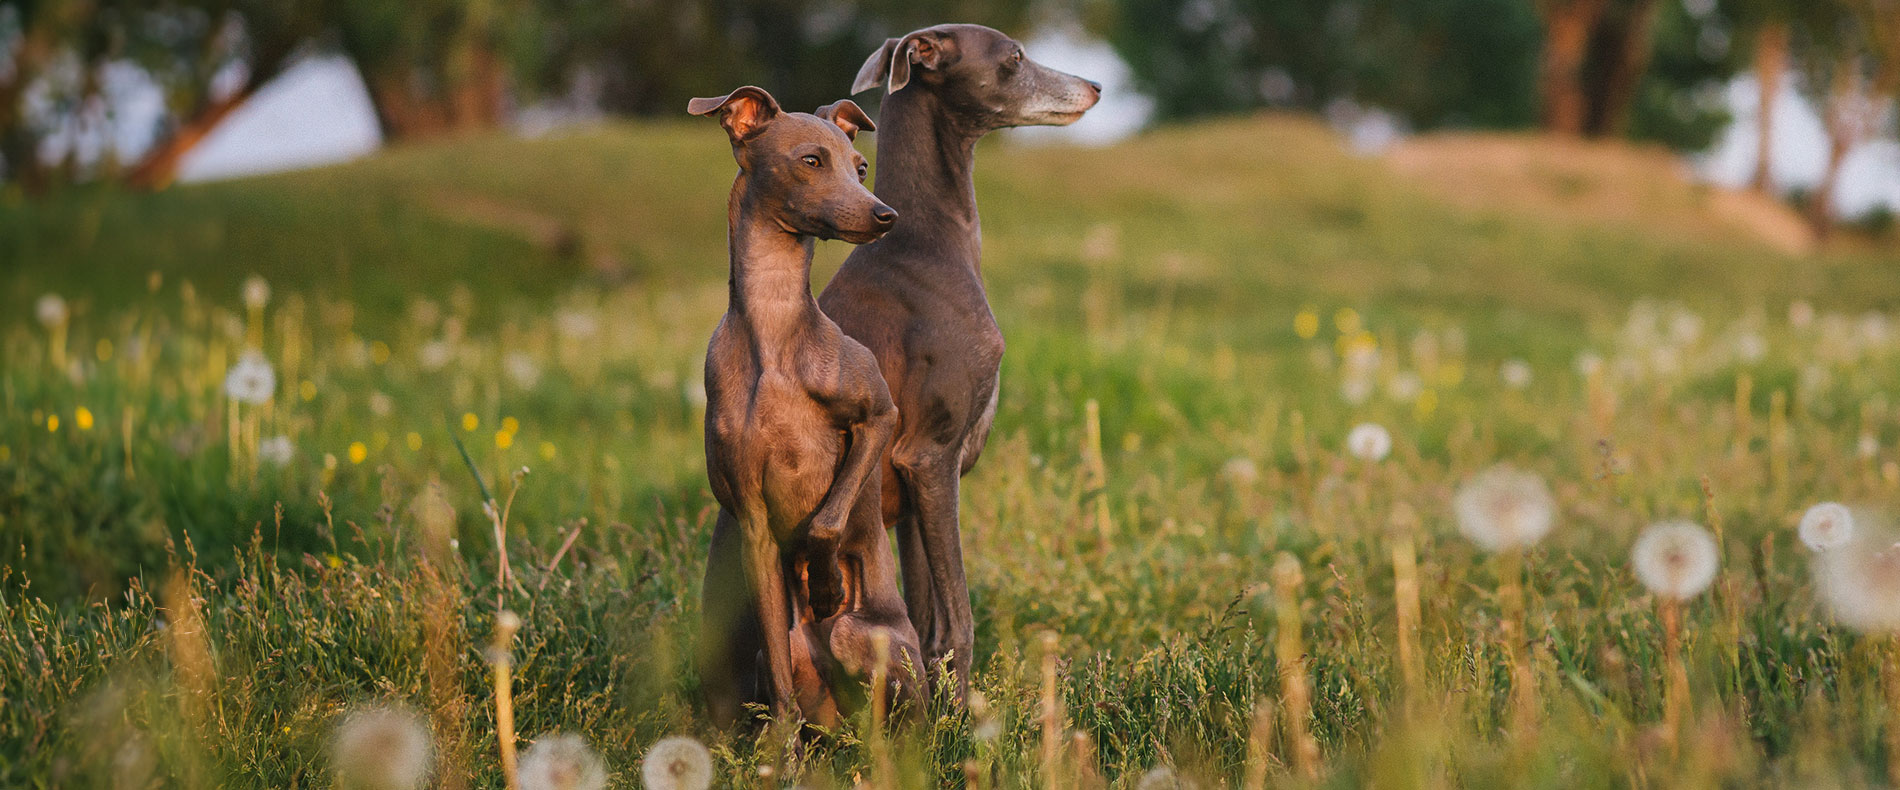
[(862, 172), (812, 160), (1016, 58)]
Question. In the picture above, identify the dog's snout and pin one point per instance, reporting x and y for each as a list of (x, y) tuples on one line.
[(884, 216), (1094, 86)]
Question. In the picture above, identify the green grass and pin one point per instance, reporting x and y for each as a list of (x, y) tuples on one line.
[(1161, 278)]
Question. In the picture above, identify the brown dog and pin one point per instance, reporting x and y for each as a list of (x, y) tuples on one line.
[(797, 417), (916, 299)]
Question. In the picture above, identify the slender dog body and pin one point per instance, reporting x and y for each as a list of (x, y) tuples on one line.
[(915, 298), (797, 417)]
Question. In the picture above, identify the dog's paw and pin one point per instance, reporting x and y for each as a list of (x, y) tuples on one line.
[(827, 529)]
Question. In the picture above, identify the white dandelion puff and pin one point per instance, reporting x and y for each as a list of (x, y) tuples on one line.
[(521, 369), (435, 354), (677, 763), (1829, 525), (1404, 387), (1369, 441), (256, 292), (561, 762), (1800, 313), (1861, 583), (251, 380), (1675, 559), (382, 748), (51, 310), (1503, 508), (1516, 373), (1356, 387), (1868, 445), (1589, 364), (1240, 470), (277, 450), (576, 324), (1162, 777), (1750, 347), (381, 404)]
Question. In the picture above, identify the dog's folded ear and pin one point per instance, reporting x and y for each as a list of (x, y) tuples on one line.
[(891, 63), (848, 116), (743, 112)]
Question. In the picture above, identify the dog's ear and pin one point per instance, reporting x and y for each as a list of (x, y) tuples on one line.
[(848, 116), (743, 112), (891, 63)]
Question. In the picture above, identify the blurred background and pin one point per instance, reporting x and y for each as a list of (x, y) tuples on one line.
[(147, 92)]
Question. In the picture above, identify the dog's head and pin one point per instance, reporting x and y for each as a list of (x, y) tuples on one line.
[(801, 167), (980, 74)]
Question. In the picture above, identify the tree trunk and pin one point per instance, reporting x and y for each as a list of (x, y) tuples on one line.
[(1628, 50), (159, 167), (1567, 28), (1771, 62), (1843, 113)]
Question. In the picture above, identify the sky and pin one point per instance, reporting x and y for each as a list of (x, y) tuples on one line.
[(318, 112)]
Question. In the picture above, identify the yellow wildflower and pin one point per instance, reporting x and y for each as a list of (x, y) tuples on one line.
[(1346, 320), (504, 439), (82, 417), (1306, 323), (414, 440), (358, 452), (470, 422)]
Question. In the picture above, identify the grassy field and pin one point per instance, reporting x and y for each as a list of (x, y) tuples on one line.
[(202, 585)]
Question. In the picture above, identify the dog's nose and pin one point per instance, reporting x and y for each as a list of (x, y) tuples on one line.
[(884, 216), (1094, 86)]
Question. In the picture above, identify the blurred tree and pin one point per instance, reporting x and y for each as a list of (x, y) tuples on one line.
[(1848, 55), (1766, 22), (1681, 101), (1434, 62), (190, 49), (649, 56)]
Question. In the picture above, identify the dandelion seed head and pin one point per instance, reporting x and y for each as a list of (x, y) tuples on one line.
[(435, 354), (1369, 441), (561, 762), (1860, 582), (1800, 313), (382, 748), (1516, 373), (521, 369), (1867, 445), (1355, 388), (1162, 777), (677, 763), (1504, 508), (277, 450), (256, 292), (51, 310), (1404, 386), (1825, 526), (1675, 559), (251, 380), (1240, 470)]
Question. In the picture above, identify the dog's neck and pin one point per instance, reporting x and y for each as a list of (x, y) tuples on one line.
[(770, 286), (925, 162)]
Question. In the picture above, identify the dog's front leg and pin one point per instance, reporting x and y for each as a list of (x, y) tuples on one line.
[(870, 433), (931, 477), (766, 574)]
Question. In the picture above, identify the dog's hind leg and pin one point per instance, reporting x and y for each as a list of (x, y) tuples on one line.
[(729, 628), (920, 598)]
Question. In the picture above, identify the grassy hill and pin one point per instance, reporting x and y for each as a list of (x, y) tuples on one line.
[(1234, 296)]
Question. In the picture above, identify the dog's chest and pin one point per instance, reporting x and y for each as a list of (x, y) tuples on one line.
[(781, 447)]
